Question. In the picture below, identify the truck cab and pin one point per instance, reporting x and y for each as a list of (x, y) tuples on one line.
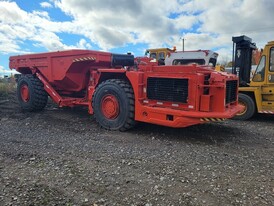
[(168, 57), (200, 57)]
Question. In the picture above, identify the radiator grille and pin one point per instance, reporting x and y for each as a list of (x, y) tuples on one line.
[(167, 89), (231, 91)]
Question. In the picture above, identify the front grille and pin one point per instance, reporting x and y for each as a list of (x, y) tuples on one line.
[(167, 89), (231, 91)]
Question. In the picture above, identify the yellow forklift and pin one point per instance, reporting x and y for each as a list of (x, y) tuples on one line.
[(256, 93)]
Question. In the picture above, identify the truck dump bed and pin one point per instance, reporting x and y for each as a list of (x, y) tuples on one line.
[(65, 70)]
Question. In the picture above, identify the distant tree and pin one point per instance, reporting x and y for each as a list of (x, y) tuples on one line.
[(229, 64), (225, 61)]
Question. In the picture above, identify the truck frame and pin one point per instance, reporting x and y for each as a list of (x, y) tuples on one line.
[(121, 90)]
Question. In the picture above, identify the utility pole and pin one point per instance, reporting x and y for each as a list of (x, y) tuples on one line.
[(183, 43)]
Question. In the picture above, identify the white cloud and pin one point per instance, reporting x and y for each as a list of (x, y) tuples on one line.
[(17, 26), (112, 23), (45, 4), (83, 44), (204, 24), (229, 18), (4, 71), (48, 40), (7, 45)]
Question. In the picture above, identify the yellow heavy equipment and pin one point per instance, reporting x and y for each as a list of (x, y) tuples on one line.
[(159, 53), (256, 94)]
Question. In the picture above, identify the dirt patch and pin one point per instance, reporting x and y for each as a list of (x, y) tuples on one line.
[(62, 157)]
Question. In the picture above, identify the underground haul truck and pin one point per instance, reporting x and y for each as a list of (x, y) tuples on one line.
[(121, 90)]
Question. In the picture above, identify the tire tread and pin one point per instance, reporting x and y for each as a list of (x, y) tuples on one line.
[(130, 121), (38, 93)]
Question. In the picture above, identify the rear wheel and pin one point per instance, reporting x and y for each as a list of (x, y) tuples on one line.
[(249, 107), (113, 105), (31, 94)]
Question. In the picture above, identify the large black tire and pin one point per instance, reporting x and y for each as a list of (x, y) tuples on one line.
[(31, 93), (249, 105), (113, 105)]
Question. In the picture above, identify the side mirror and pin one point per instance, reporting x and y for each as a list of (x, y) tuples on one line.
[(146, 53)]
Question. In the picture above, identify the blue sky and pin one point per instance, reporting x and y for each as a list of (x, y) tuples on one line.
[(131, 25)]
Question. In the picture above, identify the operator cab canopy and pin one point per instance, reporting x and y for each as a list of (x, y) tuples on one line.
[(200, 57), (166, 56)]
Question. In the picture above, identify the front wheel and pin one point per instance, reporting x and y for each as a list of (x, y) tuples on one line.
[(249, 107), (31, 94), (113, 105)]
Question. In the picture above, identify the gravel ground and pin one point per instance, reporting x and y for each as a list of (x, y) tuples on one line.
[(62, 157)]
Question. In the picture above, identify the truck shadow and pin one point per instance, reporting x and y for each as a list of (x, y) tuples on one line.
[(230, 133), (267, 118), (211, 133)]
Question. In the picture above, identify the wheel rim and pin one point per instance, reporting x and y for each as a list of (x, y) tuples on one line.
[(244, 110), (110, 107), (24, 91)]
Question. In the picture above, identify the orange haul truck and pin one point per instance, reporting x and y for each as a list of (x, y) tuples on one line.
[(121, 90)]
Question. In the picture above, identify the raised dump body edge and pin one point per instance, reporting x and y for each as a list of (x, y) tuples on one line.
[(67, 70)]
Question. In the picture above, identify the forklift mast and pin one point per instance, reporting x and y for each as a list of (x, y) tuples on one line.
[(242, 58)]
